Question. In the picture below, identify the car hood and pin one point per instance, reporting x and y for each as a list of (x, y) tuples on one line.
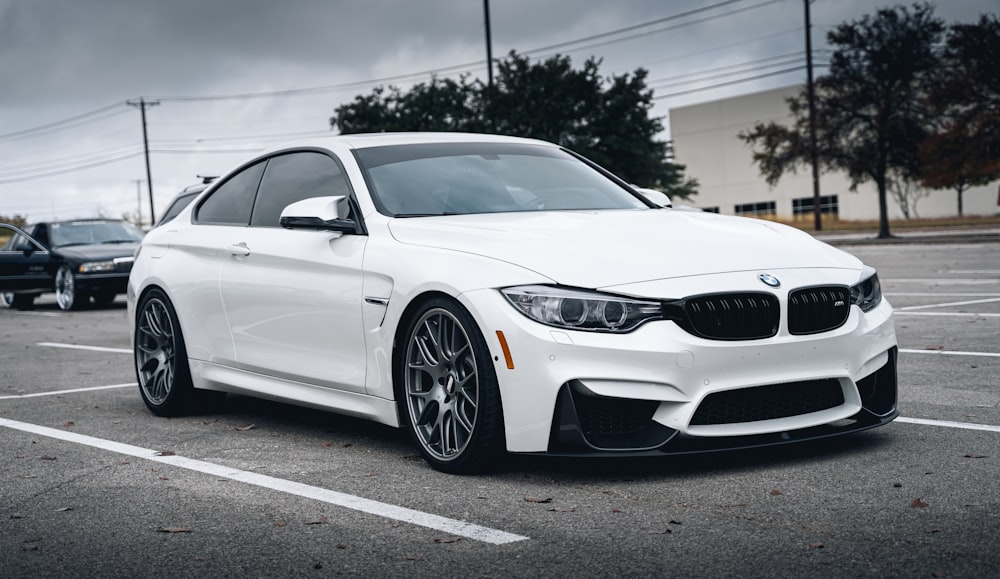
[(597, 249), (97, 252)]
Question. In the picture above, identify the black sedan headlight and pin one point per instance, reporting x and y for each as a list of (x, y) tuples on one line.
[(576, 309), (867, 293)]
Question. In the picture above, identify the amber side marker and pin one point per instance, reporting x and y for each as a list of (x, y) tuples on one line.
[(506, 350)]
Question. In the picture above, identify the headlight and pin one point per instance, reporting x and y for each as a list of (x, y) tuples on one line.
[(575, 309), (96, 266), (867, 293)]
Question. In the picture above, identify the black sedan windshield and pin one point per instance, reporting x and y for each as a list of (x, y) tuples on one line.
[(93, 232), (460, 178)]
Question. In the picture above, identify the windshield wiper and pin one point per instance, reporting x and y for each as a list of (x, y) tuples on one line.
[(121, 241)]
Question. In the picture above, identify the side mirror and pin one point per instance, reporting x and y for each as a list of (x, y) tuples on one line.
[(26, 248), (324, 213), (658, 198)]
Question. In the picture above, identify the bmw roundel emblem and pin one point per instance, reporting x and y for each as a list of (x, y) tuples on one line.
[(769, 279)]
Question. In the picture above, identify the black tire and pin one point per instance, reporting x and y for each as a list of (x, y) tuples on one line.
[(447, 385), (67, 295), (161, 363), (17, 301)]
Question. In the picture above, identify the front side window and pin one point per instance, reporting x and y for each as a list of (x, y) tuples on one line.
[(461, 178), (232, 201), (293, 177)]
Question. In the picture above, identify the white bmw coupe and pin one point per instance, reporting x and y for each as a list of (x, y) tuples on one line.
[(493, 294)]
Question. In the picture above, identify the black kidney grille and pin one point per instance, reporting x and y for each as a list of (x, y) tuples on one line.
[(818, 309), (768, 402), (742, 316)]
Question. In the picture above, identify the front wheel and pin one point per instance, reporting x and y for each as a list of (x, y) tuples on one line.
[(67, 295), (161, 363), (449, 388)]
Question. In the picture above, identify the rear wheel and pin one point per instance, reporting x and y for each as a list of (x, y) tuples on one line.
[(17, 301), (161, 363), (449, 388)]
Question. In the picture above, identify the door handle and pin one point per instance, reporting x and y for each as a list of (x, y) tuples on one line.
[(239, 249)]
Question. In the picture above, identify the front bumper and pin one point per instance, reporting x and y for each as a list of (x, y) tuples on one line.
[(95, 283), (579, 393)]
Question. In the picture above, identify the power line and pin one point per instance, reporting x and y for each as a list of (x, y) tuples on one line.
[(61, 124), (786, 63), (730, 83)]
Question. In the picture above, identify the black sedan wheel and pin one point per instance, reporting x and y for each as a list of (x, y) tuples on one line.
[(450, 389), (67, 295), (161, 363)]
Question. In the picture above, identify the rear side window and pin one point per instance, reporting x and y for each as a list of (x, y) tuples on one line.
[(293, 177), (232, 202)]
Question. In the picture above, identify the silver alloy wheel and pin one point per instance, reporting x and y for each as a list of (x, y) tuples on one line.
[(65, 289), (6, 300), (155, 351), (442, 384)]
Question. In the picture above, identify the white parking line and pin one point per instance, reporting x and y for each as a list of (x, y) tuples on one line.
[(45, 314), (949, 353), (942, 280), (81, 347), (70, 391), (949, 304), (946, 314), (947, 424), (397, 513)]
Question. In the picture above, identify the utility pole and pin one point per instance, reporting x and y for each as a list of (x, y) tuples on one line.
[(142, 104), (138, 201), (810, 87), (489, 44)]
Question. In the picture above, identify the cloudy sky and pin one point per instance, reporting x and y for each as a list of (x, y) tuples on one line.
[(231, 77)]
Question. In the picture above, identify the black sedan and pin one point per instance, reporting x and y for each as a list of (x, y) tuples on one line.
[(80, 260)]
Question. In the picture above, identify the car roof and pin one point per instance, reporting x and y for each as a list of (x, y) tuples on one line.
[(366, 140)]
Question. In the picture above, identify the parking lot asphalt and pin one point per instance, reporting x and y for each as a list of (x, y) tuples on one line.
[(93, 485)]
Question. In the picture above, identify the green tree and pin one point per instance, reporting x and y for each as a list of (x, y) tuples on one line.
[(964, 102), (15, 220), (606, 120), (868, 107)]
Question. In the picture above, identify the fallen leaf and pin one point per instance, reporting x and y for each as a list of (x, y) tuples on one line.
[(616, 510), (164, 478), (341, 546), (414, 558), (123, 461), (18, 456), (165, 453), (281, 524), (245, 428), (673, 522), (933, 530), (897, 485), (17, 516), (776, 492), (934, 348), (817, 545), (563, 509), (447, 539), (173, 530), (918, 504), (31, 544), (327, 444), (666, 531), (971, 455), (64, 509), (317, 565), (319, 521), (532, 499), (69, 423), (46, 457), (347, 445)]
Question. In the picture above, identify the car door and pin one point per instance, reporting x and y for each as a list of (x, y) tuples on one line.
[(293, 298), (25, 264)]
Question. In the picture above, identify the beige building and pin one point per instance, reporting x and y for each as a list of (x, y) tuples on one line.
[(705, 140)]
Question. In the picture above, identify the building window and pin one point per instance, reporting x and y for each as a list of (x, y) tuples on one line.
[(760, 209), (711, 209), (802, 207)]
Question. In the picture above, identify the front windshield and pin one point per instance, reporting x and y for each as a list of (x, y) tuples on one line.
[(93, 232), (460, 178)]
